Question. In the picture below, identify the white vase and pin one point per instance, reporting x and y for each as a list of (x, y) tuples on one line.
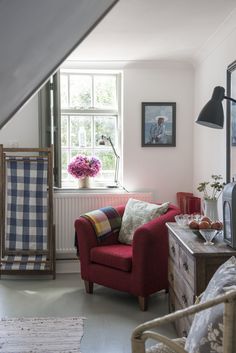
[(211, 209), (84, 183)]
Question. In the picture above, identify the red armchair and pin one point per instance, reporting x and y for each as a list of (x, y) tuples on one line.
[(139, 269)]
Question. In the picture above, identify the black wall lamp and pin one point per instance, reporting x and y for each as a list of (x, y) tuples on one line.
[(212, 114)]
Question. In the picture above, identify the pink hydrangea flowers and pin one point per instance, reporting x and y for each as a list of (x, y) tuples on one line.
[(84, 166)]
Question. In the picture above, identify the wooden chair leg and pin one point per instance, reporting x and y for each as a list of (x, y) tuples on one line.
[(143, 303), (88, 287)]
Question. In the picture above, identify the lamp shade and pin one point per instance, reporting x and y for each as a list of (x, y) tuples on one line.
[(212, 114)]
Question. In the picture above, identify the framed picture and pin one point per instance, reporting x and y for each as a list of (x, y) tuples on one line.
[(233, 122), (158, 124)]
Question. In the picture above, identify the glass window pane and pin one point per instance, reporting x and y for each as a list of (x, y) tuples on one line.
[(105, 92), (64, 158), (64, 130), (81, 134), (64, 90), (107, 159), (64, 164), (64, 175), (105, 125), (80, 131), (80, 91), (75, 152), (105, 178)]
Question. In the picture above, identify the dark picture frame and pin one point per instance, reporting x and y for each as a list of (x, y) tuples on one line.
[(230, 122), (158, 124), (231, 106), (233, 116)]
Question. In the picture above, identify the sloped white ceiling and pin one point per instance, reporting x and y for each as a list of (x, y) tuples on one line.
[(36, 36), (138, 30)]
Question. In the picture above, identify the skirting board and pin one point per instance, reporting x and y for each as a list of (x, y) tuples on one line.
[(68, 266)]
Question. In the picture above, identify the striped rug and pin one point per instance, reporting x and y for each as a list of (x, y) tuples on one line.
[(41, 335)]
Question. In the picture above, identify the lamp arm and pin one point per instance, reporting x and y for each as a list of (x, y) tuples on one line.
[(117, 169), (231, 99), (109, 139), (117, 161)]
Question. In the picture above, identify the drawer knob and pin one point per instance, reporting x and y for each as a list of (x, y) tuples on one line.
[(173, 250), (184, 299), (185, 265)]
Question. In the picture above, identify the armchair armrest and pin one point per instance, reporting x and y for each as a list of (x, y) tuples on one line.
[(87, 238), (152, 232), (140, 334), (150, 253)]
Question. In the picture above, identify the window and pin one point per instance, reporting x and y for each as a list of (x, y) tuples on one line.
[(90, 108)]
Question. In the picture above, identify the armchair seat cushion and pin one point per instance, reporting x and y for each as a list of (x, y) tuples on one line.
[(118, 256)]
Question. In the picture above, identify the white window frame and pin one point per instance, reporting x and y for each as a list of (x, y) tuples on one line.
[(96, 112)]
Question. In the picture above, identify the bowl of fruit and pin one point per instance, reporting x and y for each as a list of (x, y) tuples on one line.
[(207, 228)]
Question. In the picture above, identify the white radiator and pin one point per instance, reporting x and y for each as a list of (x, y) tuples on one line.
[(69, 206)]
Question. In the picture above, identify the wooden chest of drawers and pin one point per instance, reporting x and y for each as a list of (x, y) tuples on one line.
[(191, 266)]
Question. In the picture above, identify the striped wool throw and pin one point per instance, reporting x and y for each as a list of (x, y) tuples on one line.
[(104, 220)]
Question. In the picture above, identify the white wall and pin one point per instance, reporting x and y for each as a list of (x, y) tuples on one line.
[(163, 170), (22, 129), (210, 144)]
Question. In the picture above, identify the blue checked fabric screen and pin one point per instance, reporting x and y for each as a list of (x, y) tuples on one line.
[(26, 204)]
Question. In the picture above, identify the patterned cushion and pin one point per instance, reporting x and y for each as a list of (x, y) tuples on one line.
[(138, 213), (206, 333), (162, 348)]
